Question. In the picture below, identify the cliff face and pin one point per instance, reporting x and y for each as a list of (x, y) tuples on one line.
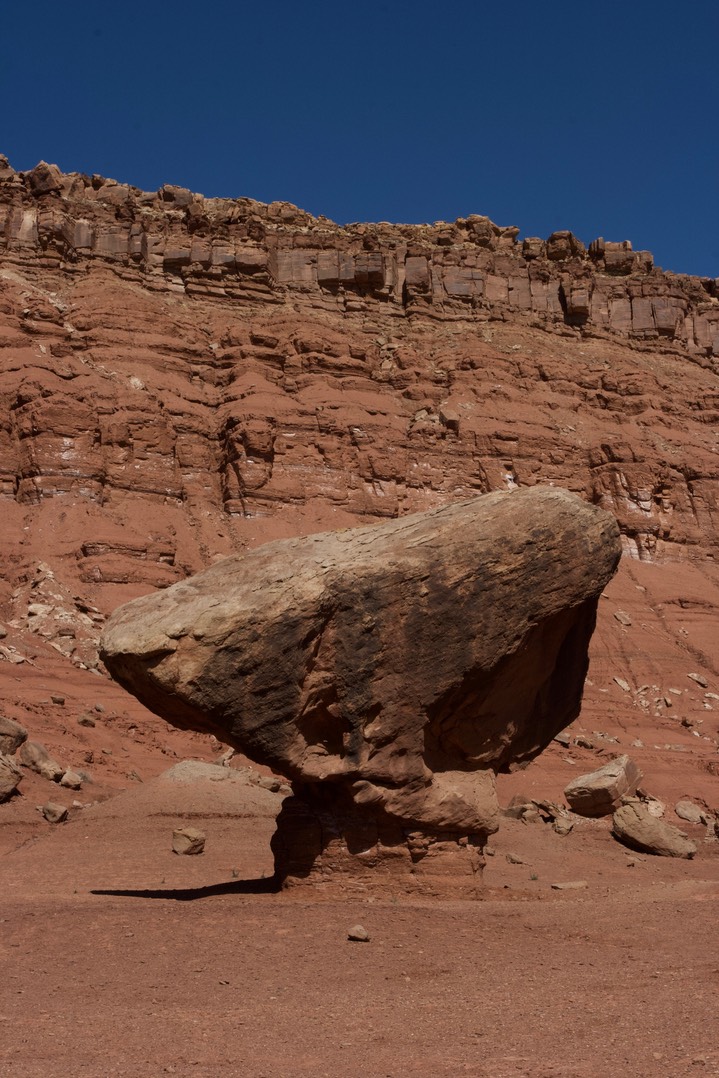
[(182, 377)]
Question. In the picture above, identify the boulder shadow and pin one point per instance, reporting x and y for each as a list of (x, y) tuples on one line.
[(269, 885)]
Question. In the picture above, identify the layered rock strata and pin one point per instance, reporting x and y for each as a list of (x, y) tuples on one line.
[(387, 671), (229, 248)]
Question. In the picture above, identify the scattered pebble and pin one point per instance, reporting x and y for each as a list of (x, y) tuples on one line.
[(358, 934)]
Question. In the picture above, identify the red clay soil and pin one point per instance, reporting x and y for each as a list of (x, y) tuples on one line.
[(121, 958)]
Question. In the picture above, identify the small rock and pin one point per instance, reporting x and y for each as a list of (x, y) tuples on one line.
[(12, 735), (699, 680), (71, 780), (517, 807), (571, 885), (54, 813), (513, 859), (584, 742), (358, 934), (563, 825), (188, 840), (562, 738), (86, 720), (270, 782), (10, 777), (623, 618), (623, 685), (35, 756), (58, 700), (654, 807), (600, 792), (635, 827), (687, 810), (3, 632)]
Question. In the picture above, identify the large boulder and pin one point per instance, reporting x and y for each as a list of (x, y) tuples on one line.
[(387, 671), (634, 826), (600, 792)]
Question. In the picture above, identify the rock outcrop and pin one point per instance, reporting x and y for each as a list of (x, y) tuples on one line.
[(388, 671), (240, 248)]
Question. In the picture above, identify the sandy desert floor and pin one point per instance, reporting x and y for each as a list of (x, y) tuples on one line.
[(121, 958)]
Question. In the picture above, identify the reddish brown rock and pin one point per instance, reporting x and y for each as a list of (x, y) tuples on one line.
[(387, 671)]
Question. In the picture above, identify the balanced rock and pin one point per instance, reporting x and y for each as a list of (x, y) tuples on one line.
[(634, 826), (10, 777), (387, 671), (12, 735), (600, 792)]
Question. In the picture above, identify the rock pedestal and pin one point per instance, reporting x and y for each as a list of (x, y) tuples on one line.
[(322, 840)]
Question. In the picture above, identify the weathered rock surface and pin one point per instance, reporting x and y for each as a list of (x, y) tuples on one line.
[(634, 826), (188, 840), (10, 777), (35, 756), (12, 735), (600, 792), (692, 813), (387, 671)]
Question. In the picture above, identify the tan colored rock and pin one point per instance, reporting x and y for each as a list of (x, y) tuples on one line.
[(600, 792), (35, 756), (188, 840), (10, 777), (389, 670), (71, 780), (12, 735), (635, 827), (691, 812), (54, 813)]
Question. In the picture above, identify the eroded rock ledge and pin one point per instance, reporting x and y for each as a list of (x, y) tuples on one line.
[(389, 671), (240, 248)]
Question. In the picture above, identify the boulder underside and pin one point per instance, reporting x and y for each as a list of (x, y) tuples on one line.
[(388, 672)]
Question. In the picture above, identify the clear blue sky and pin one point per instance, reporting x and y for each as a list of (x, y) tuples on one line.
[(601, 117)]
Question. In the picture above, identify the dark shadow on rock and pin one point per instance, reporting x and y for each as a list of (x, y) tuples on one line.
[(263, 886)]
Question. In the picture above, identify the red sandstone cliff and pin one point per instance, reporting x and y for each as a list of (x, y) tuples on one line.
[(183, 377)]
